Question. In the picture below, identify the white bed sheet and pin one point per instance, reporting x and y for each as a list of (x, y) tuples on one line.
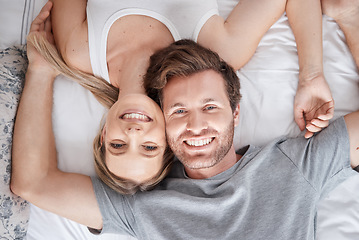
[(268, 84)]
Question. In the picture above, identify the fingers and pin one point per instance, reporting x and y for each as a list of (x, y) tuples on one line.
[(39, 21), (329, 111), (48, 31), (325, 113), (299, 118), (308, 134), (316, 125), (48, 25), (47, 7), (311, 129)]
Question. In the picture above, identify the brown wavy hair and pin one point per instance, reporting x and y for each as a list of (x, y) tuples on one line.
[(182, 59)]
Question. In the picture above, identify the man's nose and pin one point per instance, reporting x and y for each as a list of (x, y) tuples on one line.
[(196, 122)]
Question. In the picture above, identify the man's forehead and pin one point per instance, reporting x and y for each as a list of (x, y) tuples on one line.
[(191, 83), (203, 87)]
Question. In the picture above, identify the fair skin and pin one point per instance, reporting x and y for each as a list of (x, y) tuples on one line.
[(127, 61), (198, 126), (35, 175), (313, 103), (131, 132), (127, 55), (346, 14), (189, 114), (134, 137)]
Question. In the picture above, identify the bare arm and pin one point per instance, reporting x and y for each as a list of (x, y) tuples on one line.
[(313, 103), (352, 122), (69, 24), (305, 18), (346, 14), (236, 38), (35, 175)]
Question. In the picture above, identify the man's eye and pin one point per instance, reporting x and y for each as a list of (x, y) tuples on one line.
[(150, 148), (117, 145), (179, 111), (210, 107)]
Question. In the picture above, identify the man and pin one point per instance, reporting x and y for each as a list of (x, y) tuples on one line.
[(268, 193), (212, 192)]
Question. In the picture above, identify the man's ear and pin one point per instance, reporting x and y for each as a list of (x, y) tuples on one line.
[(236, 115)]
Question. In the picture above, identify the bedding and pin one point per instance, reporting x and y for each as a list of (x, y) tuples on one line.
[(268, 84), (14, 211)]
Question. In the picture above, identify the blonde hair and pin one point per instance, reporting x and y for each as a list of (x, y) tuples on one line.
[(104, 92), (107, 95)]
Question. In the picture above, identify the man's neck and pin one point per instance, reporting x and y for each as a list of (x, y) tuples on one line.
[(226, 163)]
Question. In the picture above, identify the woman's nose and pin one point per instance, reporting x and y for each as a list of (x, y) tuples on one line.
[(134, 128)]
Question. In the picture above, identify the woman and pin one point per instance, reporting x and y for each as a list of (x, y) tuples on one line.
[(106, 39)]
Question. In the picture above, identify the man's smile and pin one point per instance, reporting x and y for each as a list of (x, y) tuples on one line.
[(199, 142)]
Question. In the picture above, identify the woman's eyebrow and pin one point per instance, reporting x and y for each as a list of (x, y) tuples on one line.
[(116, 154), (151, 155)]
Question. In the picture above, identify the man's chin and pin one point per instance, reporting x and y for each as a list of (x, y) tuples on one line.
[(198, 161)]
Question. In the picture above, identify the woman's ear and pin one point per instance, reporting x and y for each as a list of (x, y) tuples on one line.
[(236, 115), (103, 134)]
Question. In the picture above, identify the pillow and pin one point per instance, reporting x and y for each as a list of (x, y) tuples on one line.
[(14, 211), (15, 20)]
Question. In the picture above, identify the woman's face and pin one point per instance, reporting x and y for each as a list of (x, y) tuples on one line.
[(134, 135)]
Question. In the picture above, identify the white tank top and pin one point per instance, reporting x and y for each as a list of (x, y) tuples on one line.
[(183, 18)]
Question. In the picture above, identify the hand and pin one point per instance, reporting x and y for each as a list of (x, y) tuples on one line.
[(41, 26), (313, 105), (340, 9)]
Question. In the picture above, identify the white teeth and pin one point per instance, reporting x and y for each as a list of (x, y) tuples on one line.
[(199, 143), (136, 116)]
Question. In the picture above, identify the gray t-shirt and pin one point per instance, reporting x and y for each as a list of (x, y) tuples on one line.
[(270, 193)]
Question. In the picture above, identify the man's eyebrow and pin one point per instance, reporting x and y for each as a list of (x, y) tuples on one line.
[(176, 105), (207, 100), (204, 101)]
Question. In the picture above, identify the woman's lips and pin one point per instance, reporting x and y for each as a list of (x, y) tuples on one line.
[(134, 116)]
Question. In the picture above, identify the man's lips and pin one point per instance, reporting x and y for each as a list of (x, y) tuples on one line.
[(198, 142)]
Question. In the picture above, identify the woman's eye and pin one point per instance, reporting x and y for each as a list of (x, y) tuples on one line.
[(117, 145), (150, 148)]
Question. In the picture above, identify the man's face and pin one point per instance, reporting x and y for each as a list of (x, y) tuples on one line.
[(199, 120)]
